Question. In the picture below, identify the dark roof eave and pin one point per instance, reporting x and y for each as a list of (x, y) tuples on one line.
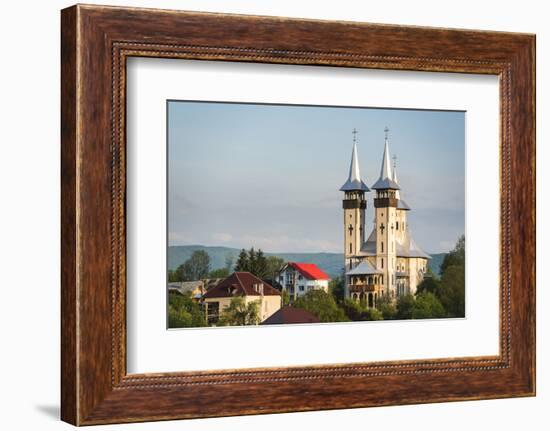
[(385, 184), (350, 186)]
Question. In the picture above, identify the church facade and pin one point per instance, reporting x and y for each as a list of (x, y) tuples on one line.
[(387, 261)]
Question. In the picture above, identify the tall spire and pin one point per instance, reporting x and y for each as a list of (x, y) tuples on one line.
[(386, 176), (394, 175), (354, 181)]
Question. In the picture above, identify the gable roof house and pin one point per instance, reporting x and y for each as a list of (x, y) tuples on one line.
[(245, 285), (297, 278)]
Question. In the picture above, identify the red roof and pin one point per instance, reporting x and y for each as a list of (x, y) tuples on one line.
[(310, 270), (290, 314), (240, 284)]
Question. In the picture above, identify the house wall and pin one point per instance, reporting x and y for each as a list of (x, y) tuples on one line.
[(269, 304), (300, 281)]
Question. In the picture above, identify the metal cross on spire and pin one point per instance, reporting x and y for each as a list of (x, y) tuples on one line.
[(386, 130), (394, 161), (354, 135)]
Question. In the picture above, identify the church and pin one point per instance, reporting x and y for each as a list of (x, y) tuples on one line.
[(387, 262)]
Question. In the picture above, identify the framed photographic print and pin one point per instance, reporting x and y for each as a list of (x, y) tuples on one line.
[(327, 214)]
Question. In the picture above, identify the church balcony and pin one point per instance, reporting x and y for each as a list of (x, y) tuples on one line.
[(363, 287)]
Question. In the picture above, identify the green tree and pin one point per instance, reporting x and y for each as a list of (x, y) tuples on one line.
[(427, 306), (173, 276), (243, 262), (240, 313), (285, 297), (194, 268), (385, 305), (259, 265), (358, 311), (274, 265), (322, 305), (336, 288), (430, 284), (183, 312), (405, 305), (452, 291), (219, 273), (457, 256)]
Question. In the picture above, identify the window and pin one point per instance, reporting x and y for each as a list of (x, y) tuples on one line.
[(397, 225), (350, 250), (301, 288), (382, 245), (382, 263)]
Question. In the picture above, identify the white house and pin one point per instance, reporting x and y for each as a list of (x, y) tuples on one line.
[(298, 278)]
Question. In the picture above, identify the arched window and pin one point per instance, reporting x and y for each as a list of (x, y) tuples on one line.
[(350, 248), (397, 225), (382, 263), (382, 245)]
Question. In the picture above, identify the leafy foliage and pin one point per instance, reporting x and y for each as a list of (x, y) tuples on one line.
[(220, 273), (430, 284), (456, 257), (256, 262), (385, 305), (449, 289), (452, 290), (427, 306), (243, 263), (274, 265), (405, 305), (285, 297), (240, 313), (358, 312), (183, 312), (172, 276), (194, 268), (322, 305), (336, 288)]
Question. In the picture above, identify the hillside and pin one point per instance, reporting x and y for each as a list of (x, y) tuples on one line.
[(331, 263)]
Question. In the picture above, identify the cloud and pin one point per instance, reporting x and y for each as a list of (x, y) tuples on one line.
[(222, 237)]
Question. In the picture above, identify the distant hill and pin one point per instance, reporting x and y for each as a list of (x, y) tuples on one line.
[(331, 263)]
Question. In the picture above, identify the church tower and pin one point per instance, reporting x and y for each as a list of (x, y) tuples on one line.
[(386, 222), (354, 205)]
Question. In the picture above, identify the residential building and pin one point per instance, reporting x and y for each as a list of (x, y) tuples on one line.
[(298, 278), (245, 285)]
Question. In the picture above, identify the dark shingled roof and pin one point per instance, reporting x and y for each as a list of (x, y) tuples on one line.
[(290, 314), (240, 284)]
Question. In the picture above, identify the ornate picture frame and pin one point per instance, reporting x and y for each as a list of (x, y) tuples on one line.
[(96, 41)]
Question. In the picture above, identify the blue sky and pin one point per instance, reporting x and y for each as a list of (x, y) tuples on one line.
[(243, 175)]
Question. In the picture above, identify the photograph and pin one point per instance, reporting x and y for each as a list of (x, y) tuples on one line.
[(284, 214)]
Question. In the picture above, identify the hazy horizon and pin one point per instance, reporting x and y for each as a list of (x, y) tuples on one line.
[(268, 176)]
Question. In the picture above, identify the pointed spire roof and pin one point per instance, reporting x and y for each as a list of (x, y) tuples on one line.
[(386, 180), (394, 174), (401, 204), (354, 181)]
